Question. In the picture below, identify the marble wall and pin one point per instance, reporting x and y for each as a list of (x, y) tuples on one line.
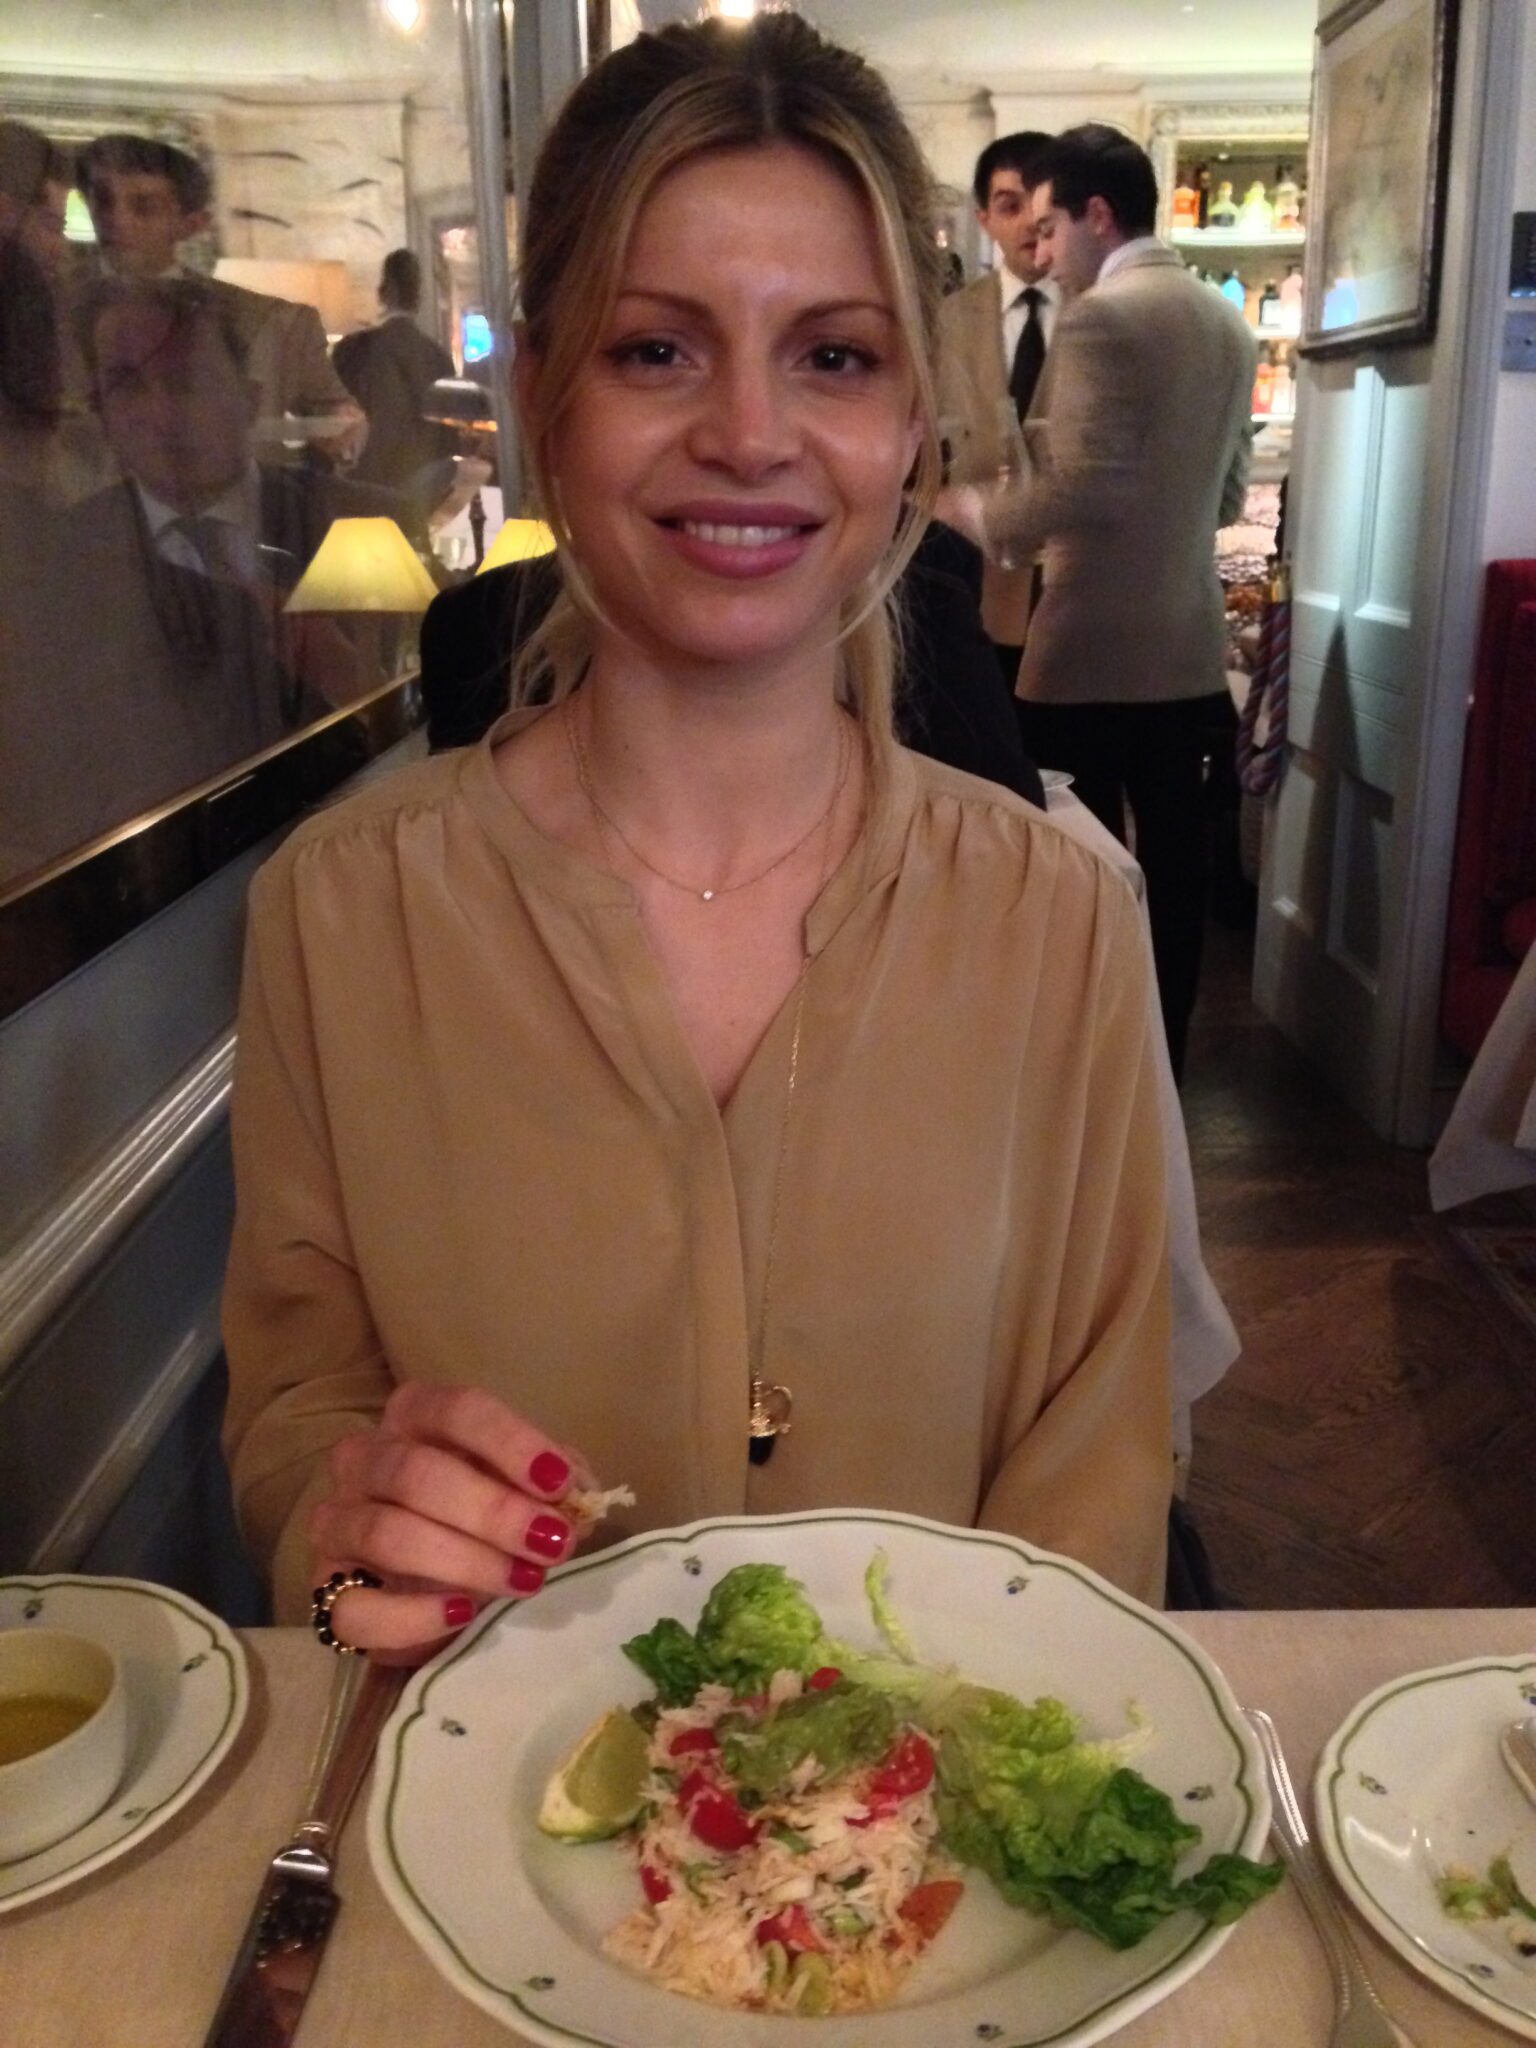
[(312, 181)]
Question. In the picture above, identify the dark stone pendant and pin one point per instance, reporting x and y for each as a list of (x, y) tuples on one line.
[(760, 1448)]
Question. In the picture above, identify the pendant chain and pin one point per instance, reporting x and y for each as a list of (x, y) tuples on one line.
[(770, 1405), (604, 818)]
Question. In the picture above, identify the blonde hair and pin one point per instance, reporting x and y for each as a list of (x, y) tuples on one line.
[(641, 113)]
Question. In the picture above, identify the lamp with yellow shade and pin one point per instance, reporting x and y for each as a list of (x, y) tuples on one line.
[(520, 540), (363, 566)]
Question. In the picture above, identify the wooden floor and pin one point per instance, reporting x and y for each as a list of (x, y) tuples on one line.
[(1375, 1445)]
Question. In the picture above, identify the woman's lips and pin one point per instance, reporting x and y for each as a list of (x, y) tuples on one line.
[(737, 547)]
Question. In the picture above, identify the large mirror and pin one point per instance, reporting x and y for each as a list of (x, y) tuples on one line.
[(240, 294)]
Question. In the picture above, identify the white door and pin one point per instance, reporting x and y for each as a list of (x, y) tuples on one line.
[(1386, 495)]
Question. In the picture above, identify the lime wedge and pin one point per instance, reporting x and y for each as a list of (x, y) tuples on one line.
[(596, 1791)]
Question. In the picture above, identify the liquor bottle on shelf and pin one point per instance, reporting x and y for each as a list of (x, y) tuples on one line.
[(1256, 216), (1233, 288), (1287, 201), (1269, 309), (1186, 205), (1292, 290), (1264, 385), (1283, 392), (1222, 212), (1203, 192)]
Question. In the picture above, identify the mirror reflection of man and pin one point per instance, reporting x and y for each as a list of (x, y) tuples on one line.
[(390, 369), (45, 448), (175, 660), (994, 335), (147, 199)]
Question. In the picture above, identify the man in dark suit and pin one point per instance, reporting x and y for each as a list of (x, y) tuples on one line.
[(390, 369), (183, 660)]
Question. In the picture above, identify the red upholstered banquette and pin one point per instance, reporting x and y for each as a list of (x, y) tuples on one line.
[(1492, 918)]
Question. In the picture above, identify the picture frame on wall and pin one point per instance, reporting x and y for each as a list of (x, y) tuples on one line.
[(1381, 113)]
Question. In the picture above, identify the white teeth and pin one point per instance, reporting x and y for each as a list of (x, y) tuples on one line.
[(737, 536)]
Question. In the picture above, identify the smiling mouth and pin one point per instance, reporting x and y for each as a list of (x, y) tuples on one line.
[(718, 534)]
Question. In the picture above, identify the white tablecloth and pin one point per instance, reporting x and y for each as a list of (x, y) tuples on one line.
[(1489, 1145), (1205, 1342)]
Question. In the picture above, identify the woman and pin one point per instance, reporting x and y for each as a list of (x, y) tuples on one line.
[(687, 1058)]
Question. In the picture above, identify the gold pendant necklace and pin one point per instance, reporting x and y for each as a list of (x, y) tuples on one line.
[(770, 1404), (606, 820)]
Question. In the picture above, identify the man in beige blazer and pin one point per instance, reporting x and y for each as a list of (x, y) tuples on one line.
[(1138, 451), (993, 337)]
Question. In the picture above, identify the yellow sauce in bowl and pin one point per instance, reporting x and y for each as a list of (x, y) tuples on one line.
[(30, 1722)]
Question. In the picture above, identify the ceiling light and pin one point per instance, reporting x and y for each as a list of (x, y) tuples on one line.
[(736, 10), (404, 15)]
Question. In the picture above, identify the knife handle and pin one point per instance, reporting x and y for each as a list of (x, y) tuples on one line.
[(362, 1697)]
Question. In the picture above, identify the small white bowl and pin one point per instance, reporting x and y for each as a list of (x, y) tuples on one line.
[(46, 1796)]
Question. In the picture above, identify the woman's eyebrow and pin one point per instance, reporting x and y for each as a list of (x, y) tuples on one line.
[(821, 310)]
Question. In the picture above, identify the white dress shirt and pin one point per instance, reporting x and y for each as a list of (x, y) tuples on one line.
[(237, 513), (1117, 257), (1015, 310)]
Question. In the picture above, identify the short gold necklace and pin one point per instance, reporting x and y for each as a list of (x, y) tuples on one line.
[(770, 1404), (605, 818)]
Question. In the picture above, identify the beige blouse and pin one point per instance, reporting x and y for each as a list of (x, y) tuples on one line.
[(472, 1144)]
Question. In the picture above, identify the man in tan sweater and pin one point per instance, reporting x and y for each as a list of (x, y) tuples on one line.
[(1138, 445)]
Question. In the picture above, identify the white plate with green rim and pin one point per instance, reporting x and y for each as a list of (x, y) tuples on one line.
[(187, 1689), (516, 1921), (1411, 1782)]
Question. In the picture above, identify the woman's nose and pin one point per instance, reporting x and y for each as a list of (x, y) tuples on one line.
[(747, 420)]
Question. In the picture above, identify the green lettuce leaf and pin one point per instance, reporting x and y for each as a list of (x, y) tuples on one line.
[(841, 1727), (669, 1657)]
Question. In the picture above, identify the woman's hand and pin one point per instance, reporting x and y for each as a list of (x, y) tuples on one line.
[(450, 1501)]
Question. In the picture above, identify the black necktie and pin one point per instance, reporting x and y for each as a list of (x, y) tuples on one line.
[(1029, 356)]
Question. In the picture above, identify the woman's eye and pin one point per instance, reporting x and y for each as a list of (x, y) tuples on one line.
[(841, 358), (648, 353)]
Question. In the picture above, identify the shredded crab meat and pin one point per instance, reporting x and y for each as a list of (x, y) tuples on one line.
[(588, 1505), (849, 1881)]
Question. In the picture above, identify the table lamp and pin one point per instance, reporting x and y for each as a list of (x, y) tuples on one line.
[(364, 566), (519, 540)]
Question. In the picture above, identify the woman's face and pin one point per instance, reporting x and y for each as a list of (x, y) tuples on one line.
[(732, 459)]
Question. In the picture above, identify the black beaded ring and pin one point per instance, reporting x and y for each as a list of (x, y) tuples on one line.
[(324, 1598)]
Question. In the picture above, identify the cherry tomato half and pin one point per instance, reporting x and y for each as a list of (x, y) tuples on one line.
[(791, 1926), (693, 1741), (929, 1906), (720, 1822), (908, 1769), (654, 1885)]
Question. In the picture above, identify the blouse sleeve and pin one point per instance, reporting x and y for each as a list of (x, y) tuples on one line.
[(305, 1363), (1088, 1471)]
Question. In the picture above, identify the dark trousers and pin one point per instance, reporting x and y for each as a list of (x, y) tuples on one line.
[(1149, 758)]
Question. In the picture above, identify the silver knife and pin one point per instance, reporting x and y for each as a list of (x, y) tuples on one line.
[(280, 1955)]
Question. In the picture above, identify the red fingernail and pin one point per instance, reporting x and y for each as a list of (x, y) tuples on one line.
[(548, 1535), (549, 1473), (458, 1610), (525, 1576)]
